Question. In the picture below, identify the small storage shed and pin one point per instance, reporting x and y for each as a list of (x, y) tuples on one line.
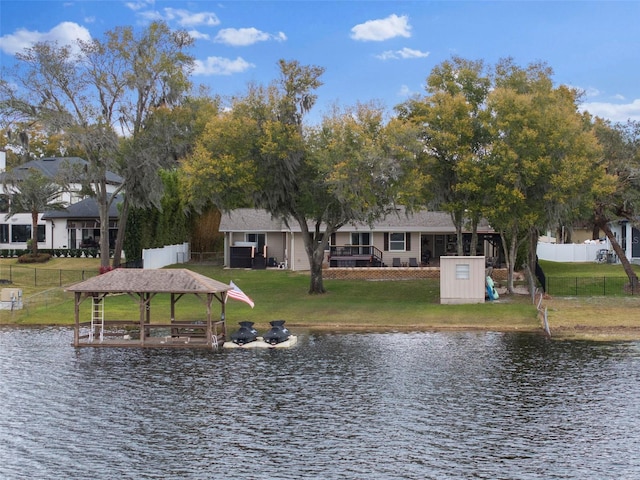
[(462, 279)]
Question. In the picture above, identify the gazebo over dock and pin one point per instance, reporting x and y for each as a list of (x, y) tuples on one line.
[(143, 285)]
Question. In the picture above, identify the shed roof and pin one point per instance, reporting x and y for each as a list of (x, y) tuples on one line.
[(122, 280)]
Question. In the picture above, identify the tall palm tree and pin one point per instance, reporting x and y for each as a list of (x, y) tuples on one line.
[(32, 192)]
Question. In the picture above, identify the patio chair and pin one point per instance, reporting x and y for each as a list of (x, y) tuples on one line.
[(396, 262), (413, 262)]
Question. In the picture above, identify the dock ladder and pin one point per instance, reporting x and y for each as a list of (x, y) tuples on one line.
[(97, 318)]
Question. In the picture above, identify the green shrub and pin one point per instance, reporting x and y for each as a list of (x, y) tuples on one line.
[(37, 258)]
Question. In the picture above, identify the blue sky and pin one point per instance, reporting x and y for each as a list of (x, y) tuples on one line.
[(372, 50)]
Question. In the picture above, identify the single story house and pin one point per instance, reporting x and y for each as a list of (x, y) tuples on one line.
[(255, 239), (78, 225)]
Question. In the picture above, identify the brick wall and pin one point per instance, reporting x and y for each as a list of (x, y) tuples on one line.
[(393, 273)]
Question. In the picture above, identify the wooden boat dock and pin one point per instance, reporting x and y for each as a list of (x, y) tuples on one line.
[(142, 286)]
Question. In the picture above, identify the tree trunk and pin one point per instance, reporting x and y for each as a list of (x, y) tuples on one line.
[(510, 248), (316, 285), (34, 232), (315, 251), (628, 269), (122, 224), (473, 248), (103, 207), (315, 244), (532, 261), (458, 220)]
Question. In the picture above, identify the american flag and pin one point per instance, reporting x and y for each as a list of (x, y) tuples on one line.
[(238, 294)]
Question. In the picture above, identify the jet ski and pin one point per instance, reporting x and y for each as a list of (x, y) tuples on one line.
[(278, 336), (278, 333), (245, 334)]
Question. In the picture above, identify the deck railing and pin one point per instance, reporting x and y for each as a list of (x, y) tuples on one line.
[(355, 256)]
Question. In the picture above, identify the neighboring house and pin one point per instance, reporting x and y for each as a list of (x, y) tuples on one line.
[(64, 229), (78, 225), (629, 237), (253, 238), (586, 250)]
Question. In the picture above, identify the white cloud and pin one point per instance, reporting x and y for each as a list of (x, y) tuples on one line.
[(405, 91), (199, 35), (65, 33), (221, 66), (135, 6), (151, 16), (190, 19), (382, 29), (592, 92), (402, 54), (616, 112), (242, 37)]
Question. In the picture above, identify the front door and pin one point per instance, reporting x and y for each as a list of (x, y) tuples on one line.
[(362, 239)]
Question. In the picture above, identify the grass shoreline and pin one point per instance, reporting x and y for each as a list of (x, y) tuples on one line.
[(352, 306)]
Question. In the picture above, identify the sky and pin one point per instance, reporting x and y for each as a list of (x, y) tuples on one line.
[(378, 51)]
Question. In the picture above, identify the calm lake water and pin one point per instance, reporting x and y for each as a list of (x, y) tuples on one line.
[(336, 406)]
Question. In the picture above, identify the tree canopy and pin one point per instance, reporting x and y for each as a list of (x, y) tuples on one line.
[(97, 96), (260, 154), (505, 144), (453, 129)]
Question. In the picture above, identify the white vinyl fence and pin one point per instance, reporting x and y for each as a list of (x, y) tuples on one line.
[(570, 252), (167, 255)]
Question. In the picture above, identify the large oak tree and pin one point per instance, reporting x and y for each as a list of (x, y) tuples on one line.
[(260, 154), (544, 159), (96, 92)]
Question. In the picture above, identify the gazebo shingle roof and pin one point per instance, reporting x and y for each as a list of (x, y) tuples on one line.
[(123, 280)]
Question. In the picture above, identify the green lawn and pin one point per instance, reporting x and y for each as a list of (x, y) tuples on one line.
[(586, 279), (349, 304), (280, 294), (586, 269)]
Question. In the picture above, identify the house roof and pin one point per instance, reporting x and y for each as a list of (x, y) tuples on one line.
[(123, 280), (87, 208), (425, 221), (52, 166)]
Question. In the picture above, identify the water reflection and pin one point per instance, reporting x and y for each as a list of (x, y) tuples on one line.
[(371, 405)]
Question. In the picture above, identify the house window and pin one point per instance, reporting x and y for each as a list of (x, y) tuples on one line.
[(4, 233), (22, 233), (397, 242), (462, 271)]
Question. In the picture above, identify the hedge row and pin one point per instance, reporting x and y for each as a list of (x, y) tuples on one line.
[(56, 252)]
